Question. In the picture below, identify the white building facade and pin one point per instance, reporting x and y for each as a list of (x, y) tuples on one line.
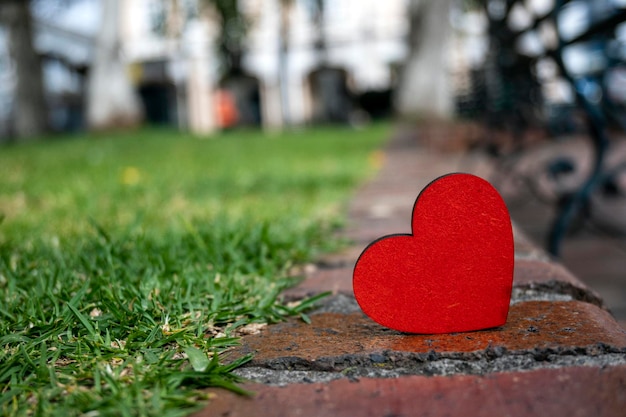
[(340, 65), (364, 39)]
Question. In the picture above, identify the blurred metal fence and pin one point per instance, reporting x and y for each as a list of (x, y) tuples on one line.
[(580, 43)]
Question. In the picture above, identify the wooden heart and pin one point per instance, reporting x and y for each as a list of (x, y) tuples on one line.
[(454, 273)]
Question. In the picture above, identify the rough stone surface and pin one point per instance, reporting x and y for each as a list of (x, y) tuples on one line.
[(339, 303), (566, 392), (335, 341), (442, 367), (522, 294)]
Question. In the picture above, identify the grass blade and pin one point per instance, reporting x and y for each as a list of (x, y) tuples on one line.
[(83, 320), (198, 359)]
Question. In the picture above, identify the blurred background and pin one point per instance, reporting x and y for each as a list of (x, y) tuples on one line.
[(532, 91), (202, 65)]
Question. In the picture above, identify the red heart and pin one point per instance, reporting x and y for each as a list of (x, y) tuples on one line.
[(454, 273)]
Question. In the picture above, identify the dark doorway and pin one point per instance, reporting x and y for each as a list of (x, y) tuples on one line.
[(332, 99), (159, 102), (245, 91)]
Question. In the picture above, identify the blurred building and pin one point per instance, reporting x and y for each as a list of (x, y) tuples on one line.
[(300, 63), (336, 65)]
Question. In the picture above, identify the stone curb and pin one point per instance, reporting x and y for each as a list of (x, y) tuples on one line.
[(560, 352), (334, 342), (544, 392)]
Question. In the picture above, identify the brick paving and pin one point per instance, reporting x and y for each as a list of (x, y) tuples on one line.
[(561, 353), (546, 392)]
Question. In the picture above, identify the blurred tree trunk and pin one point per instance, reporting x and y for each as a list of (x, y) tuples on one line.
[(286, 7), (111, 99), (30, 104), (424, 89), (320, 42)]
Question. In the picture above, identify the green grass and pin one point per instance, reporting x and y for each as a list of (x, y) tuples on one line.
[(129, 264)]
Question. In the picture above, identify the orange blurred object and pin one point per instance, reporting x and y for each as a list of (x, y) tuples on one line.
[(226, 108)]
